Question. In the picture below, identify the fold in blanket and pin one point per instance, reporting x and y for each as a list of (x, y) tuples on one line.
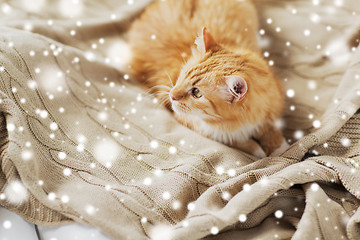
[(81, 141)]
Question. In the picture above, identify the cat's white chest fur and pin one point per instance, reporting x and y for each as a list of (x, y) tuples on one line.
[(228, 137)]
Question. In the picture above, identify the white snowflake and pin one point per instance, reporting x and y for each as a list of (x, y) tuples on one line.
[(279, 214), (214, 230), (315, 187), (176, 205), (10, 127), (231, 172), (312, 85), (106, 151), (118, 48), (290, 93), (26, 155), (80, 147), (6, 8), (316, 124), (90, 209), (16, 192), (143, 220), (166, 195), (158, 172), (154, 144), (264, 181), (298, 134), (103, 116), (220, 170), (43, 114), (226, 196), (7, 224), (54, 126), (346, 142), (191, 206), (61, 155), (242, 218), (246, 187), (65, 198), (51, 196), (172, 150), (67, 171)]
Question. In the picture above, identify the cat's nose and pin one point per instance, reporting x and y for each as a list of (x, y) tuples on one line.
[(173, 97)]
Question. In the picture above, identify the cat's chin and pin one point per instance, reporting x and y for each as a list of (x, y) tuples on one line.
[(176, 111)]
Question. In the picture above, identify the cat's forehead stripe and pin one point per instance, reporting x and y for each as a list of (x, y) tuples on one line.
[(198, 80), (200, 69), (218, 65)]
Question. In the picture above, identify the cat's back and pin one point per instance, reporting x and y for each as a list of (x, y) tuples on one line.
[(230, 21), (162, 37)]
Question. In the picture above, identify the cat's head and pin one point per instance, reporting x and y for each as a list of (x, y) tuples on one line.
[(225, 86)]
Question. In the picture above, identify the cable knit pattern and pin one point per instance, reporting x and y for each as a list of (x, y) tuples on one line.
[(81, 141)]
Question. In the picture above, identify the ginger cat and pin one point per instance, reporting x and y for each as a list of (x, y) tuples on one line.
[(222, 88)]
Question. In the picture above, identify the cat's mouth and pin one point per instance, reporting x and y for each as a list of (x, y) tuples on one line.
[(179, 108)]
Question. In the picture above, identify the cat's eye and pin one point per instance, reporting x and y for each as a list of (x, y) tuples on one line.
[(196, 93)]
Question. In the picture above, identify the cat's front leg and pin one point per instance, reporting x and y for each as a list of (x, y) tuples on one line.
[(271, 140)]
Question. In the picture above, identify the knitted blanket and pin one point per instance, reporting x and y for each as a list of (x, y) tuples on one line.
[(81, 141)]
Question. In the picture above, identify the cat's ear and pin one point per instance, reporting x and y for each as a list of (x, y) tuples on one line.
[(205, 41), (236, 88)]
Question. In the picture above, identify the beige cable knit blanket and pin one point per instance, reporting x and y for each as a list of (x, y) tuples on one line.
[(81, 141)]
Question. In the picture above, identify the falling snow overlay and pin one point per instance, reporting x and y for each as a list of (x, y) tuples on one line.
[(82, 142)]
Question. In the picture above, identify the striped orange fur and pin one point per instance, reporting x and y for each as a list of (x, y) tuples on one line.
[(221, 86)]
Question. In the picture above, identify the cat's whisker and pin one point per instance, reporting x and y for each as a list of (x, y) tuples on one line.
[(160, 92), (164, 101), (158, 86), (156, 95), (171, 82)]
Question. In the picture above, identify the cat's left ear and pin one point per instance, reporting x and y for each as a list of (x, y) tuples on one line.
[(205, 41), (236, 88)]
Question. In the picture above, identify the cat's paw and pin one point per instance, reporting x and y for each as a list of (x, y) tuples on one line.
[(259, 152), (277, 152)]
